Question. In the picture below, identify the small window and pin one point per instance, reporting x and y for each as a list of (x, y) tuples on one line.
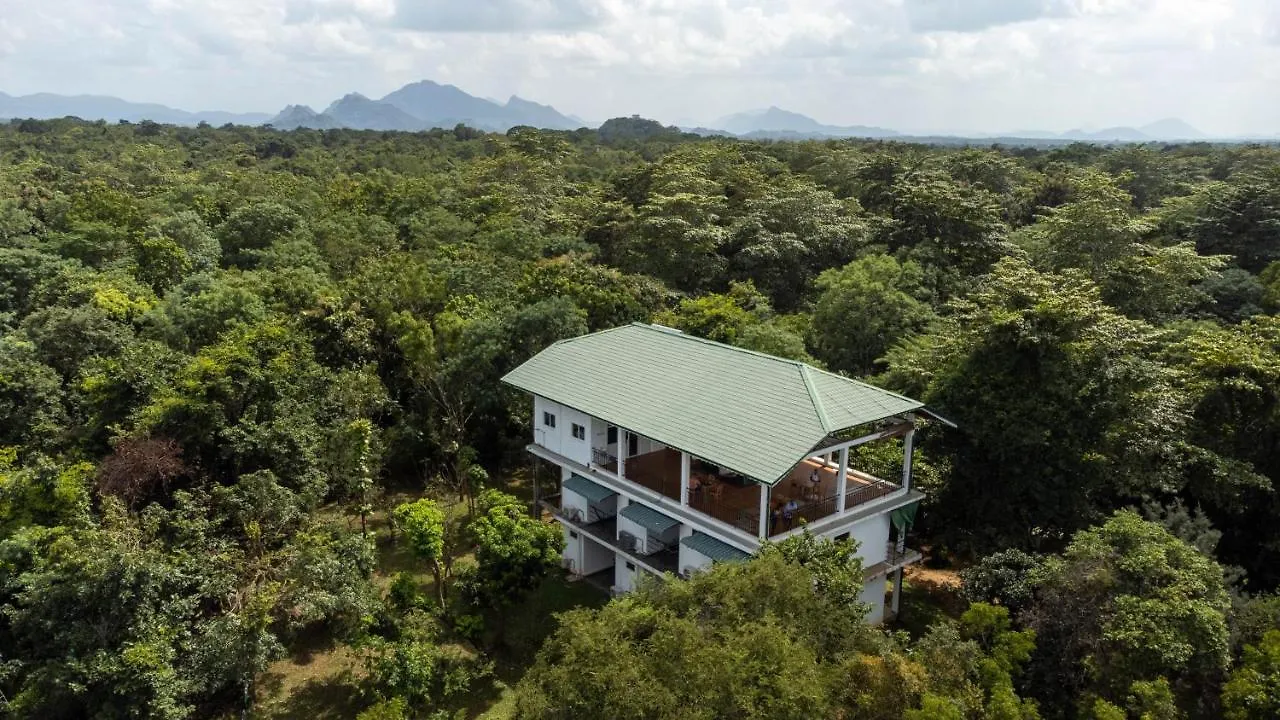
[(612, 439), (573, 535), (842, 537), (548, 419), (579, 431), (631, 567)]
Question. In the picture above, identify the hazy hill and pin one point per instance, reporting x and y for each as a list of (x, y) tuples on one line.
[(439, 105), (113, 109), (296, 116), (775, 122), (357, 111), (1171, 129)]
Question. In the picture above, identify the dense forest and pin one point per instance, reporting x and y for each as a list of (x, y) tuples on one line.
[(251, 421)]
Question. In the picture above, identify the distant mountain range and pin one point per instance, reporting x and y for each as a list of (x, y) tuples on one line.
[(425, 104), (103, 107), (774, 122)]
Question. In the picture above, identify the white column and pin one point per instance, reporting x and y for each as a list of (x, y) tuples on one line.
[(622, 453), (908, 450), (764, 510), (897, 590), (684, 478), (842, 479)]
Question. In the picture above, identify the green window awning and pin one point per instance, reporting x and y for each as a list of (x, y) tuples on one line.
[(715, 549), (648, 518), (905, 516), (593, 492)]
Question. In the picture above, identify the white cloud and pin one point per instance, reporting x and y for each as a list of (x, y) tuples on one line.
[(971, 15), (911, 64)]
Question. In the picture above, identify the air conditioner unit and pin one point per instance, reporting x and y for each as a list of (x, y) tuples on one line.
[(574, 514), (688, 571), (628, 542)]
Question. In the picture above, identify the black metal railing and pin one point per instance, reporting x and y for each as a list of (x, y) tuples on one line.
[(603, 458)]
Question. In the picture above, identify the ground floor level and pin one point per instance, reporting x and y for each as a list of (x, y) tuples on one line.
[(596, 558)]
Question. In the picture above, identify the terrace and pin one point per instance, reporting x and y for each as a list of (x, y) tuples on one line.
[(735, 500)]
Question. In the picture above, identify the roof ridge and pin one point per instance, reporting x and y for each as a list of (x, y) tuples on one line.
[(676, 332), (815, 397), (856, 381), (586, 335)]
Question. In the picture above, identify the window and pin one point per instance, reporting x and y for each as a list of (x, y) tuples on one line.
[(579, 431), (612, 439), (842, 537), (631, 567), (573, 535), (548, 419)]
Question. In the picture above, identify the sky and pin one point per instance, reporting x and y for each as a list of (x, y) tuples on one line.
[(912, 65)]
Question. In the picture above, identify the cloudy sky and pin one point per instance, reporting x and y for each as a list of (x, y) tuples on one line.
[(917, 65)]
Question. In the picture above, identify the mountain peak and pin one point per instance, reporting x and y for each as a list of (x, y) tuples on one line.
[(1171, 129)]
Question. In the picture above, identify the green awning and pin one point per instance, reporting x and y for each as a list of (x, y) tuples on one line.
[(648, 518), (715, 549), (593, 492), (903, 517)]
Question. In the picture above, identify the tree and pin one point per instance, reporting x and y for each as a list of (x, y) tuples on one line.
[(1253, 692), (865, 308), (252, 229), (1128, 602), (1241, 218), (514, 551), (426, 530), (1063, 410), (1099, 232), (1007, 578)]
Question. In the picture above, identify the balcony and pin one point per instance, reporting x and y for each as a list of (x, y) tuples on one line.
[(736, 500), (605, 532)]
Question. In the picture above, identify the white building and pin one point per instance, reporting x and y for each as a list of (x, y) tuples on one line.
[(676, 452)]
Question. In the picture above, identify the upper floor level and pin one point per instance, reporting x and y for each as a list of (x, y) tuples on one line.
[(756, 445)]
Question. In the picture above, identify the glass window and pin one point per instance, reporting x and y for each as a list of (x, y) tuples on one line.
[(631, 567), (579, 431), (548, 419)]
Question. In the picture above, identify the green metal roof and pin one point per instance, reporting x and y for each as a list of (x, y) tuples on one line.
[(593, 492), (648, 518), (752, 413), (715, 549)]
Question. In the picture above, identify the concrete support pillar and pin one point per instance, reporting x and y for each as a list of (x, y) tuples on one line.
[(684, 478), (622, 453), (842, 479), (897, 590), (764, 510), (908, 450)]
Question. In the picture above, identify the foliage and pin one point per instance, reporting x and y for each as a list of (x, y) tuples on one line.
[(1128, 602), (221, 350), (514, 551), (1253, 692)]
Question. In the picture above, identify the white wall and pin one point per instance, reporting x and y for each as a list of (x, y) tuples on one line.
[(571, 447), (543, 434), (873, 594), (572, 549), (624, 580), (690, 558), (872, 535), (595, 557), (560, 438), (642, 535), (570, 500)]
